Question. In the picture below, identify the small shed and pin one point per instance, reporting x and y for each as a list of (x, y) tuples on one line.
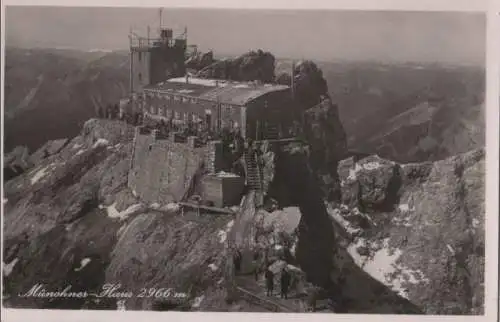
[(223, 189)]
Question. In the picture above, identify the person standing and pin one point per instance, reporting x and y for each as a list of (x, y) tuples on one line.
[(255, 264), (237, 261), (285, 282), (269, 282)]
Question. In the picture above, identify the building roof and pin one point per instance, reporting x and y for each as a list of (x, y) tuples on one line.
[(226, 92)]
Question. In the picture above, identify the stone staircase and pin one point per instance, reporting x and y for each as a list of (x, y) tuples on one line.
[(253, 172)]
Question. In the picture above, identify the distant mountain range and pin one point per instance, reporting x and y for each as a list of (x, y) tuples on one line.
[(404, 112), (50, 93)]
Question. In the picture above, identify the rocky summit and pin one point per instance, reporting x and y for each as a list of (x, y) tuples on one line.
[(357, 231), (401, 229)]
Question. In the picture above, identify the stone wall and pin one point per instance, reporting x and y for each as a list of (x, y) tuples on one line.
[(161, 170)]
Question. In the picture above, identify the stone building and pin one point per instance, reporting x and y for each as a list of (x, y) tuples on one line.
[(256, 110), (161, 89)]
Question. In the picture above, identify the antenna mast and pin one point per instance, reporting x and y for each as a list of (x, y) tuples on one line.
[(161, 22)]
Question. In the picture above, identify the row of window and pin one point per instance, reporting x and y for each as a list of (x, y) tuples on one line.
[(187, 116), (176, 98), (182, 99)]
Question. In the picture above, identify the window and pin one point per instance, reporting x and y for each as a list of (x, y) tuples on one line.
[(140, 77), (140, 56), (177, 115), (152, 109), (169, 113)]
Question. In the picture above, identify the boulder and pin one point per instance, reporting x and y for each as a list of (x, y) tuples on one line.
[(254, 65), (370, 184)]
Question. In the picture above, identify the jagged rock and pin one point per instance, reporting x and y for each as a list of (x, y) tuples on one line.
[(327, 142), (310, 85), (200, 60), (428, 247), (295, 183), (113, 131), (48, 149), (284, 79), (254, 65), (161, 251), (370, 184), (16, 162)]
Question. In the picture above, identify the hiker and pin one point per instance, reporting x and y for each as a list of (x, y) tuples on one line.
[(285, 282), (255, 264), (269, 282), (237, 261)]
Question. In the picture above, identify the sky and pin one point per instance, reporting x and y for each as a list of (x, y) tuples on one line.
[(327, 35)]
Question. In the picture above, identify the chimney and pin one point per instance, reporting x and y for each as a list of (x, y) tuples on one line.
[(187, 78), (216, 83)]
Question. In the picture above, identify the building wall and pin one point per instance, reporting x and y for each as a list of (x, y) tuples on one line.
[(185, 108), (162, 170), (140, 61), (167, 62), (151, 65), (275, 108)]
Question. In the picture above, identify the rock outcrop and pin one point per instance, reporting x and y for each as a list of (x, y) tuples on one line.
[(327, 141), (254, 65), (78, 199), (200, 60), (16, 162), (418, 228)]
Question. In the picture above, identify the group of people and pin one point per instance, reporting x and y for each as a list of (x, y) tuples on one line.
[(109, 112), (285, 276)]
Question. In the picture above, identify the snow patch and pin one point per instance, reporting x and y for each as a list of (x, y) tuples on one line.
[(79, 152), (155, 205), (113, 213), (383, 266), (185, 91), (452, 251), (83, 263), (213, 267), (335, 214), (222, 236), (100, 142), (404, 207), (354, 172), (172, 207), (7, 268), (223, 174), (41, 173), (77, 146), (197, 301)]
